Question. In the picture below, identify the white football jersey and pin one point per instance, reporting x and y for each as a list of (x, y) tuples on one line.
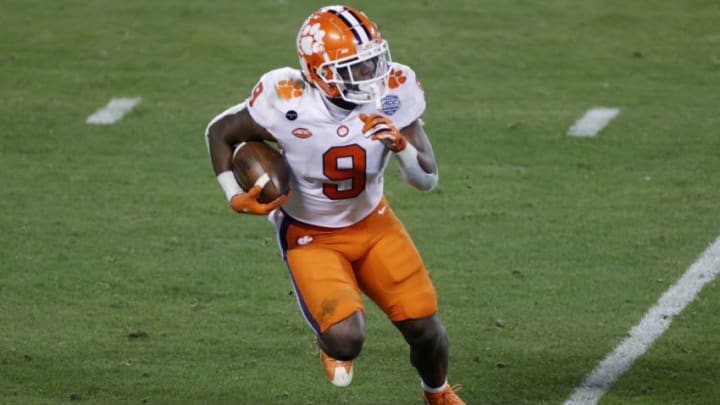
[(337, 172)]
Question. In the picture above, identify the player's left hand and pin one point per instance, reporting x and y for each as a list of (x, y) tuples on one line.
[(248, 203), (382, 129)]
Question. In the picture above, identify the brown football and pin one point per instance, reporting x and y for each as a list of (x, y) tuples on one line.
[(252, 160)]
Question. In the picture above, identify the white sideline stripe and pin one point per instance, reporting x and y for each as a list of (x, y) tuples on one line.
[(113, 111), (655, 322), (594, 120)]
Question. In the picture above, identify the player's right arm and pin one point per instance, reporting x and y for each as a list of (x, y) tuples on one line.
[(231, 127), (410, 145)]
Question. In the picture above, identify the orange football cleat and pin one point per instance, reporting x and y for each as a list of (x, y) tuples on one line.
[(447, 396), (339, 372)]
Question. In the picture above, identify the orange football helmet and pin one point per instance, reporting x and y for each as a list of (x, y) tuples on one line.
[(342, 53)]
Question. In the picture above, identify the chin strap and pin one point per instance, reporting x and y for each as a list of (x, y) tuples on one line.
[(412, 172)]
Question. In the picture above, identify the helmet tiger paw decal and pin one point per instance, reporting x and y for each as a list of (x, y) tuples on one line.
[(289, 88), (311, 40), (397, 77), (333, 39)]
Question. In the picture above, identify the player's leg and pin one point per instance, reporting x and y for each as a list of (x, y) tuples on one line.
[(393, 275), (410, 302), (428, 343), (343, 340), (327, 294), (330, 300), (339, 345)]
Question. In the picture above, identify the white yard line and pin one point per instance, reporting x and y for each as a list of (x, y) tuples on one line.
[(655, 322), (594, 120), (113, 111)]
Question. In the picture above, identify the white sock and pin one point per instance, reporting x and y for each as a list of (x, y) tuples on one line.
[(432, 390)]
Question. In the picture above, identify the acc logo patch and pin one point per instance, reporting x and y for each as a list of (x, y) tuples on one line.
[(390, 104)]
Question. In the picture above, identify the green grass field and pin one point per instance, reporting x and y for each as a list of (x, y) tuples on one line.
[(125, 278)]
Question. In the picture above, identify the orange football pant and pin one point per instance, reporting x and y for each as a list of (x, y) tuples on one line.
[(330, 267)]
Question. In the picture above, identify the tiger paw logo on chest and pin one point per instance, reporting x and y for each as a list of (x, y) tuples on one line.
[(288, 89), (311, 40)]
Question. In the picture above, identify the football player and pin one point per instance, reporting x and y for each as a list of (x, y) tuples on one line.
[(339, 120)]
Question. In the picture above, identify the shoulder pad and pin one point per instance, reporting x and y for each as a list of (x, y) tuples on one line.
[(286, 83)]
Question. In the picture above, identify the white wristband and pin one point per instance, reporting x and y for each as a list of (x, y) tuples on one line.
[(229, 185), (412, 172)]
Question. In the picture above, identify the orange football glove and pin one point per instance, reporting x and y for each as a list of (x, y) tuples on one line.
[(382, 129), (247, 203)]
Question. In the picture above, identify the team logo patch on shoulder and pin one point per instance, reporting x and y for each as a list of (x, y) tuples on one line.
[(302, 133), (288, 89), (397, 78), (390, 104)]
